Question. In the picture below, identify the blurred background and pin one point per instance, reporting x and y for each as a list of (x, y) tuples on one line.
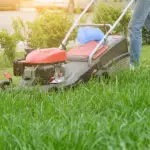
[(29, 9), (39, 4)]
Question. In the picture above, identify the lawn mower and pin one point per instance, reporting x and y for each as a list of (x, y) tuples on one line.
[(54, 68)]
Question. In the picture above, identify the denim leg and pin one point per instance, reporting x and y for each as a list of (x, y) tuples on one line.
[(140, 14), (147, 22)]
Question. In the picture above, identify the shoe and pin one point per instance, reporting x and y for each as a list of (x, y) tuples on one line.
[(132, 67)]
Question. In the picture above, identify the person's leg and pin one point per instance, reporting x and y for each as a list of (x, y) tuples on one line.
[(141, 11), (147, 22)]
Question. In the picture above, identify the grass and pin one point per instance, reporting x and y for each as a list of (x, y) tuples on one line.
[(94, 116), (90, 117), (8, 69), (145, 55)]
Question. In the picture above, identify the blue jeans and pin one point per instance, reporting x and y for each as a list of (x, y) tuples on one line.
[(140, 17)]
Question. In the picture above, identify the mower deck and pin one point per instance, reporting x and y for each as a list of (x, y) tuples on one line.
[(77, 69)]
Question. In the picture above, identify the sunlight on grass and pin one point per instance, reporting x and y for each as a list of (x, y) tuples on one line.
[(104, 116)]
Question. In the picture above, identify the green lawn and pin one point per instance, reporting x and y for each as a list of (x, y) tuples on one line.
[(145, 57), (96, 116)]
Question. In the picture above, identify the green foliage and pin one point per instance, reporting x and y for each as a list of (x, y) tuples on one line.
[(146, 36), (78, 9), (108, 14), (8, 44), (20, 29), (48, 29)]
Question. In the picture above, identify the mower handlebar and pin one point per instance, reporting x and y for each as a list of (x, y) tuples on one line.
[(110, 31), (75, 24)]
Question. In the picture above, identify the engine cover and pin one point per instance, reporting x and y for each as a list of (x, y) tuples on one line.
[(46, 56)]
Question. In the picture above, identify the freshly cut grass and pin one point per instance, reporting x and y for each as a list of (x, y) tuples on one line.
[(99, 115)]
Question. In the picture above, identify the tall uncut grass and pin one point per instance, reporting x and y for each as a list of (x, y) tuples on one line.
[(96, 116)]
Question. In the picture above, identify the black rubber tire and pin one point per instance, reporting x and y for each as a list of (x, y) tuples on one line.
[(4, 84), (103, 76), (23, 83)]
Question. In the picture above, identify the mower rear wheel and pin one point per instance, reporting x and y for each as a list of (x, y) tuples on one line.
[(4, 84), (120, 65), (103, 76)]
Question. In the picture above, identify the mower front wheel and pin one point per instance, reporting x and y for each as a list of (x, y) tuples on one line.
[(23, 83)]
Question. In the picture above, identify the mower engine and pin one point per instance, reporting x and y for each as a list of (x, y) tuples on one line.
[(39, 73), (41, 66)]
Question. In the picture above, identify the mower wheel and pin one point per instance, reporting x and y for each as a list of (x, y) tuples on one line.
[(103, 76), (4, 84), (25, 83)]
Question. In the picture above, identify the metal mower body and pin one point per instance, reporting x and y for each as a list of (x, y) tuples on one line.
[(55, 68)]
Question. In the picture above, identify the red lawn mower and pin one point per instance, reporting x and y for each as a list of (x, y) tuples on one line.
[(58, 68)]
